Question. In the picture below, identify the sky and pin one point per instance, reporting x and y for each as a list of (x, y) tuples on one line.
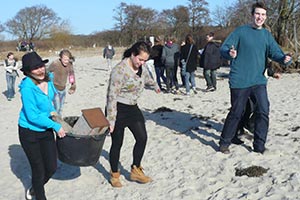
[(90, 16)]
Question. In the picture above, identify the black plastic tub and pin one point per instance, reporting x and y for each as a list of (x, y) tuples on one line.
[(79, 150)]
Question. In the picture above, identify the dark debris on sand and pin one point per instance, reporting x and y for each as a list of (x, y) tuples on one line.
[(163, 109), (253, 171)]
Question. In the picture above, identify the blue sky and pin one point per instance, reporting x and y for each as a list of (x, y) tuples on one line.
[(91, 16)]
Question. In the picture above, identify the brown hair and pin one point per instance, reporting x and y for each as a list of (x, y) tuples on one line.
[(258, 5), (189, 39), (66, 52), (9, 54)]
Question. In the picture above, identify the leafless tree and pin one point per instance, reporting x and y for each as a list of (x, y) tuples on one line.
[(285, 12), (134, 21), (198, 13), (1, 28), (32, 23), (119, 17), (178, 21)]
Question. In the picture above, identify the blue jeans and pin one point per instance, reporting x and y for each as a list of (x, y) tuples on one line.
[(210, 77), (159, 71), (11, 80), (239, 99), (189, 78), (59, 101)]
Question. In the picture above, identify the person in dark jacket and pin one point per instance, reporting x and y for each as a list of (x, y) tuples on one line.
[(188, 58), (211, 61), (108, 54), (170, 59), (158, 65)]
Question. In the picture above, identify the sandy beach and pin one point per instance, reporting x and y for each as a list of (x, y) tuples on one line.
[(182, 151)]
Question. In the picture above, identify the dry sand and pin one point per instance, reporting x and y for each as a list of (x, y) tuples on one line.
[(181, 154)]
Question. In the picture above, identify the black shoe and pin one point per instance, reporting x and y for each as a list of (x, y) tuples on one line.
[(259, 151), (29, 193), (210, 89), (237, 141), (224, 149)]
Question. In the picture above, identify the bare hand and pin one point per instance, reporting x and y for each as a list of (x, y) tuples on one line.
[(111, 128), (158, 90), (276, 75), (61, 133), (232, 52), (71, 91), (287, 58)]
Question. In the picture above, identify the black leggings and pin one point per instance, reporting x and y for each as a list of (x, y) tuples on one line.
[(40, 150), (139, 132)]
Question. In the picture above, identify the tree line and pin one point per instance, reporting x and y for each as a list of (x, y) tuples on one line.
[(134, 22)]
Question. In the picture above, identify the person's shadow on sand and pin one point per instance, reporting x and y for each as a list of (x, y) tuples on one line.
[(20, 167), (106, 173), (19, 164), (194, 126)]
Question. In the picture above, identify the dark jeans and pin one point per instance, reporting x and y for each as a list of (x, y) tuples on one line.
[(239, 98), (171, 78), (210, 77), (40, 150), (160, 75)]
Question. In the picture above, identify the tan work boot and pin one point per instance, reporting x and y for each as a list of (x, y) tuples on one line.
[(115, 179), (138, 175)]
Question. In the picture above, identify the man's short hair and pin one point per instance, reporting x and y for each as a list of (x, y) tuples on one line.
[(258, 5)]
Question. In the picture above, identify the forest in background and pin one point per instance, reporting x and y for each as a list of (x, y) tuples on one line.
[(47, 31)]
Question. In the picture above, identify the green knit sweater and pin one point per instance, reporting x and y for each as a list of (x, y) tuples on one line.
[(254, 47)]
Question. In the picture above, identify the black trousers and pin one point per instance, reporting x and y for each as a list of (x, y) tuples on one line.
[(40, 150), (128, 116)]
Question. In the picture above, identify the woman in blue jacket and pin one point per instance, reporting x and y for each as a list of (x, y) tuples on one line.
[(35, 123)]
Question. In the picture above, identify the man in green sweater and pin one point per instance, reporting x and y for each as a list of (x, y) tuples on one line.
[(248, 47)]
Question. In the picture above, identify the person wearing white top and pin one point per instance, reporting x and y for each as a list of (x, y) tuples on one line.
[(11, 67)]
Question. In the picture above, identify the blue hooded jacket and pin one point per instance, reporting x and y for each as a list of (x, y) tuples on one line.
[(37, 106)]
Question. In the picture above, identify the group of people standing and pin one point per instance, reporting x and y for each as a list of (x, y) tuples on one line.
[(248, 49), (169, 57)]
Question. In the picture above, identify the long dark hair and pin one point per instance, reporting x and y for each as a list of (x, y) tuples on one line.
[(136, 49)]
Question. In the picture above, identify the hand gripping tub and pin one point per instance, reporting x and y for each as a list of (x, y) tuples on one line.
[(84, 141)]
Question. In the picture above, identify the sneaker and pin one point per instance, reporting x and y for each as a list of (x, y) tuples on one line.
[(138, 175), (175, 91), (210, 89), (194, 90), (259, 151), (187, 94), (8, 99), (224, 149), (29, 193), (237, 141)]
